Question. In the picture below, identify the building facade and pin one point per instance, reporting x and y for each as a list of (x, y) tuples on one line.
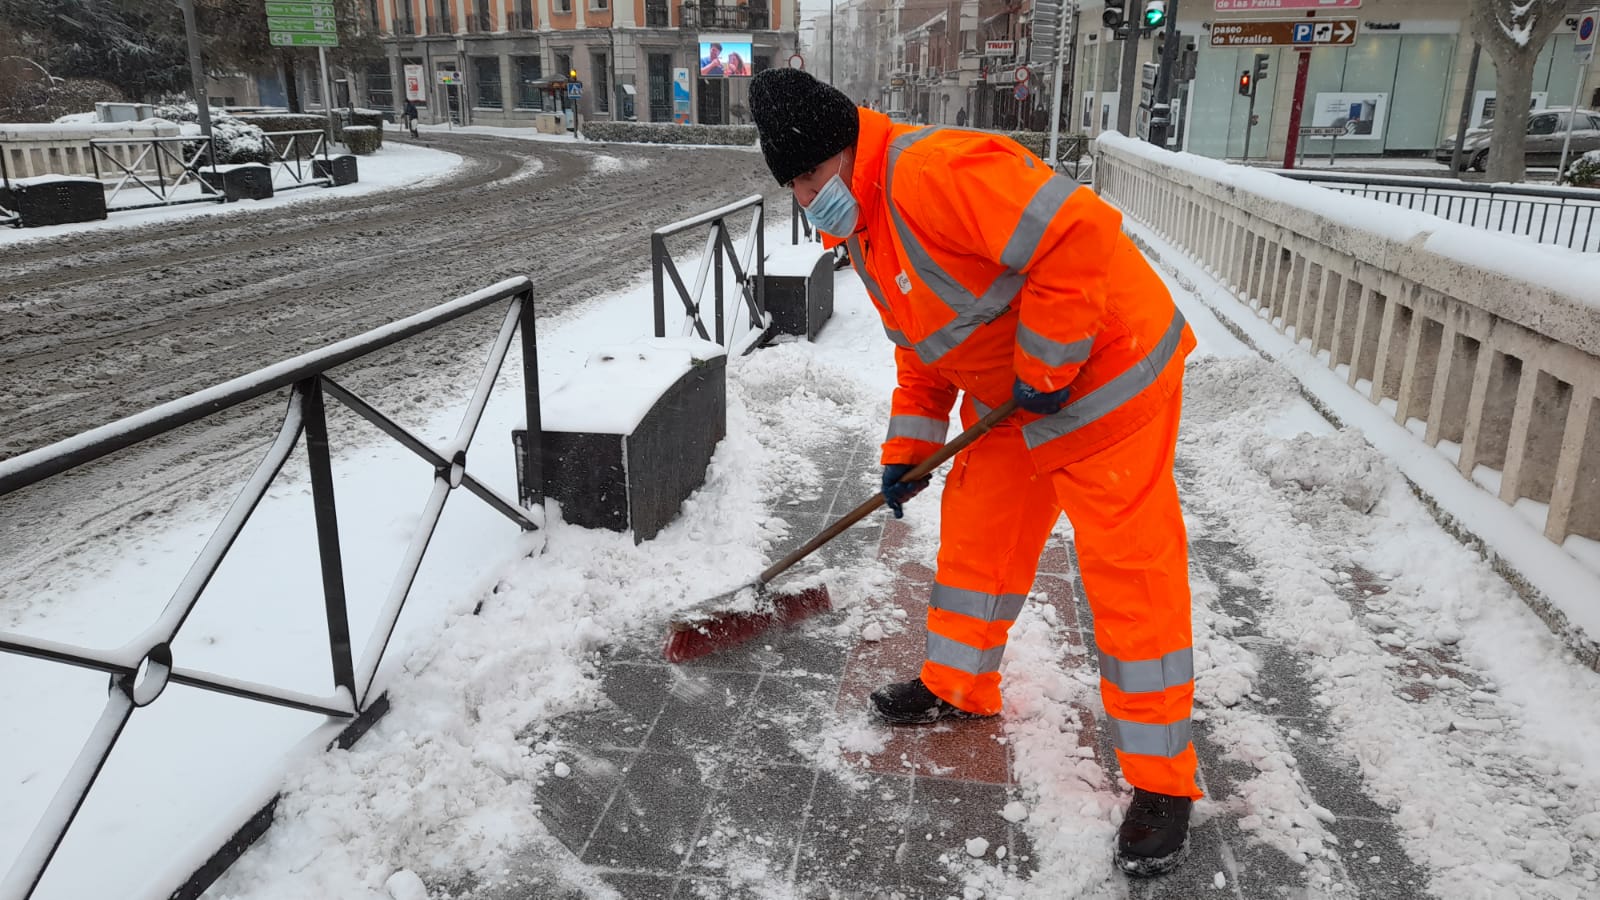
[(509, 60), (1404, 77)]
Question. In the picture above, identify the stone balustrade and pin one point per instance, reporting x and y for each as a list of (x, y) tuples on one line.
[(32, 150), (1485, 346)]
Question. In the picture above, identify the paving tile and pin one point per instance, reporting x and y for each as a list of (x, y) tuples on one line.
[(654, 817), (783, 712), (634, 886), (702, 710), (605, 728), (854, 833), (753, 824), (965, 749), (953, 812), (638, 691), (571, 807)]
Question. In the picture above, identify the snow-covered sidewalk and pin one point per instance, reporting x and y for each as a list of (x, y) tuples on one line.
[(1378, 714), (397, 165)]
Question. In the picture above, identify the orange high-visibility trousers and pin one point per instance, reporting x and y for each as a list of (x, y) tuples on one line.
[(1133, 559)]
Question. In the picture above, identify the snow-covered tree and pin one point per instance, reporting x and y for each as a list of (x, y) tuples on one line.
[(1513, 31)]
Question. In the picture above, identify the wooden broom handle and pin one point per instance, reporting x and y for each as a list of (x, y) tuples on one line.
[(962, 440)]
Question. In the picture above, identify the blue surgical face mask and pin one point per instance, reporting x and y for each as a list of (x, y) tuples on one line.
[(834, 208)]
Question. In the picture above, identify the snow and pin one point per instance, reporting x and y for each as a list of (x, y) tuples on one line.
[(396, 167), (450, 780), (619, 384), (50, 179), (794, 260)]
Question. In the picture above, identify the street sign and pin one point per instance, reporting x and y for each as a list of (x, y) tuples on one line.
[(448, 77), (1302, 33), (303, 26), (999, 48), (574, 90), (1021, 92), (797, 62), (1020, 74), (1586, 29), (1324, 131), (303, 10), (297, 39), (1275, 5)]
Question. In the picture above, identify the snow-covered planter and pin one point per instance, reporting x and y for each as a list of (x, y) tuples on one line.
[(339, 169), (1585, 170), (362, 140), (55, 200), (670, 133)]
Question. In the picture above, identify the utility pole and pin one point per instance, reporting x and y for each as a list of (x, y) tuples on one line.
[(1169, 64), (1130, 79), (1064, 39), (197, 72)]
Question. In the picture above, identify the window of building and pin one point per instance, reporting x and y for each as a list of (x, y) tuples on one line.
[(599, 5), (563, 6), (761, 63), (602, 82), (486, 79), (564, 63), (528, 71), (525, 15)]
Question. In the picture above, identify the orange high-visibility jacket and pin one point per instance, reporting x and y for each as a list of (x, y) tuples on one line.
[(986, 267)]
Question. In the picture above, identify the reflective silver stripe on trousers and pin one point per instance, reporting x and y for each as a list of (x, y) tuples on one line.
[(1106, 398), (970, 311), (978, 605), (1142, 676), (918, 428), (1036, 219), (860, 262), (1149, 740), (956, 655), (1052, 353)]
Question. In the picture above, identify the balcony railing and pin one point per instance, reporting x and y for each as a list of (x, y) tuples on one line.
[(439, 25), (657, 15), (711, 15), (520, 21), (489, 95), (480, 23)]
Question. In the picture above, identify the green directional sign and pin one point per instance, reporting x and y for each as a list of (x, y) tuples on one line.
[(302, 10), (303, 26), (297, 39)]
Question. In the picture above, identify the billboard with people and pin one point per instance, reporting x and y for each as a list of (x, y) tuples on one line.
[(725, 55)]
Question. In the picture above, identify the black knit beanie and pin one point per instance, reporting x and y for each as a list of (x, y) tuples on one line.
[(802, 122)]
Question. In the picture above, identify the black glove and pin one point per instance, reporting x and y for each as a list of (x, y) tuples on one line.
[(897, 492), (1036, 402)]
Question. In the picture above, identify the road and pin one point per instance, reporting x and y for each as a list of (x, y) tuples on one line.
[(97, 326)]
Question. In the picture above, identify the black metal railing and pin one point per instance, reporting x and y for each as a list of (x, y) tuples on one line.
[(439, 25), (293, 153), (141, 669), (489, 95), (657, 15), (711, 15), (749, 272), (480, 23), (1563, 217), (163, 167), (799, 225), (520, 21)]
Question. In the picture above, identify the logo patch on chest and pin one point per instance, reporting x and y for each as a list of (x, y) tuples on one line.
[(903, 282)]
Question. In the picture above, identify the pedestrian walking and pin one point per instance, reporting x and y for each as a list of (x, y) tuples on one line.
[(961, 117), (998, 280), (410, 117)]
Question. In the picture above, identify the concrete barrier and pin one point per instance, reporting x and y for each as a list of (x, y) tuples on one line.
[(629, 438), (32, 150)]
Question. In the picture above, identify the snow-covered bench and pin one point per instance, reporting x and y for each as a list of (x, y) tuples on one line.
[(628, 438)]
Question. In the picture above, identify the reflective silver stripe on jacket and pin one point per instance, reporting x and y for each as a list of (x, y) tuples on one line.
[(1052, 353), (859, 260), (1105, 399), (1036, 219), (1143, 676), (918, 428), (1149, 740), (959, 656), (970, 311), (978, 605)]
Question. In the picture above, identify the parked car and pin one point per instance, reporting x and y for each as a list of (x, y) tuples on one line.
[(898, 116), (1547, 130)]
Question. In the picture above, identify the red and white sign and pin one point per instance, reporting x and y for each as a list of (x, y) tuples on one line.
[(1275, 5), (416, 86), (999, 48), (1021, 74)]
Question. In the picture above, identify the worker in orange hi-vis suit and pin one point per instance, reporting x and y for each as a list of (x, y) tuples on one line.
[(996, 278)]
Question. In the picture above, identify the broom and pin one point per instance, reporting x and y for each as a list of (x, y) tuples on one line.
[(739, 615)]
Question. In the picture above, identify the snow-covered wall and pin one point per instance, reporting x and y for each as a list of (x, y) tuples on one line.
[(63, 149), (1486, 346)]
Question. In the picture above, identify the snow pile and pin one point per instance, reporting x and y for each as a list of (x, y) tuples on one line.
[(1343, 463)]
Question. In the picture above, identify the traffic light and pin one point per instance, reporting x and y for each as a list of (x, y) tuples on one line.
[(572, 74), (1262, 60), (1116, 14), (1244, 83), (1155, 13)]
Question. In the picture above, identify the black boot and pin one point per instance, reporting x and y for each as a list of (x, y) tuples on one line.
[(1154, 837), (911, 703)]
